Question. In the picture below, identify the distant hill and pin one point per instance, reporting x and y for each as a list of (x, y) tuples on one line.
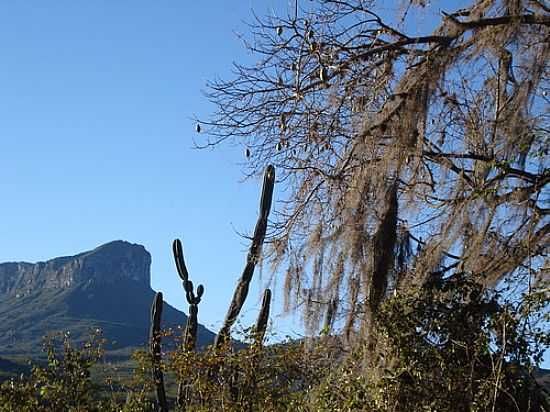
[(107, 288)]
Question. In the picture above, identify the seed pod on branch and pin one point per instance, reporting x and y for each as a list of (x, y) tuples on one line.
[(323, 74)]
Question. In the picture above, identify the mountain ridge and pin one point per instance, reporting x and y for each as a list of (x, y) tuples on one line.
[(106, 287)]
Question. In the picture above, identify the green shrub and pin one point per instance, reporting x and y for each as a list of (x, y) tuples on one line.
[(448, 346), (62, 384)]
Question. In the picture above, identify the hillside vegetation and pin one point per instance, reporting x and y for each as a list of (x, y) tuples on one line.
[(441, 354)]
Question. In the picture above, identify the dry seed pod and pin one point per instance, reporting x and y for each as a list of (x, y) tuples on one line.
[(198, 128), (344, 66), (321, 46), (247, 153), (279, 31), (297, 96), (279, 146), (323, 74), (282, 121)]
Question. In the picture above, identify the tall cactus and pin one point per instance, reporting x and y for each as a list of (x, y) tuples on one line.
[(190, 336), (263, 317), (155, 350), (241, 292), (193, 300)]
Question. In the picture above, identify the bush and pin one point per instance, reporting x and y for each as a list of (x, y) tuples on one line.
[(255, 378), (449, 346), (62, 384)]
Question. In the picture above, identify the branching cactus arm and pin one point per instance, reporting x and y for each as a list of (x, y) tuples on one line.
[(241, 292), (190, 335), (263, 317), (193, 299)]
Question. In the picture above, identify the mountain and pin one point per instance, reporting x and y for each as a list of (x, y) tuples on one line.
[(107, 288)]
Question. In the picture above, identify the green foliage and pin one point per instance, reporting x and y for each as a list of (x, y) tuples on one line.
[(255, 378), (449, 346), (65, 382), (62, 384)]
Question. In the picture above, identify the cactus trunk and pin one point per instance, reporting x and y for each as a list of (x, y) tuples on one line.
[(155, 349), (190, 340), (241, 292), (190, 337)]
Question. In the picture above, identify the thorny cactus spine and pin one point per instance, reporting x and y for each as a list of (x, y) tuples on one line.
[(263, 317), (155, 349), (241, 292)]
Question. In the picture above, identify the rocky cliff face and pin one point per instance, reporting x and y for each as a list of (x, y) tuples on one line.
[(106, 264), (108, 287)]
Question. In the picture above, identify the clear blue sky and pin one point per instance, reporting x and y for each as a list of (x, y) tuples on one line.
[(96, 107), (96, 129)]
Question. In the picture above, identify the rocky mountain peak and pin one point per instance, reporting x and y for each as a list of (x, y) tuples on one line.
[(106, 288), (108, 263)]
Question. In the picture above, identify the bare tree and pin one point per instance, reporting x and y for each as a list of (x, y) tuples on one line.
[(404, 157)]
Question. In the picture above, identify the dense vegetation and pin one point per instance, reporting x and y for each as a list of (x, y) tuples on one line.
[(448, 347)]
